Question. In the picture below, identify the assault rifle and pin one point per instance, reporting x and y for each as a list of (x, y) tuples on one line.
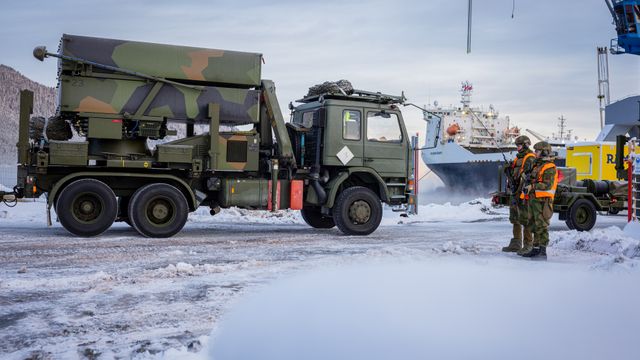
[(526, 181)]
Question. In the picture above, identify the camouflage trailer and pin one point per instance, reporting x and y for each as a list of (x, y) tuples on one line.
[(337, 160)]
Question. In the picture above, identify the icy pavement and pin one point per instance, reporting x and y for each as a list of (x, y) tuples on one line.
[(124, 296)]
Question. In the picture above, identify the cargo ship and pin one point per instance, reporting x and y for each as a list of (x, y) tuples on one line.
[(465, 146)]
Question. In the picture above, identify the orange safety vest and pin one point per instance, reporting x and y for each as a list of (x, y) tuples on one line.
[(551, 193), (524, 160)]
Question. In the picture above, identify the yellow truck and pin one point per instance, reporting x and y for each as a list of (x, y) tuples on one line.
[(593, 160)]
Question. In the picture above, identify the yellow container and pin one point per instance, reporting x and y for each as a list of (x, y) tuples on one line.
[(593, 160)]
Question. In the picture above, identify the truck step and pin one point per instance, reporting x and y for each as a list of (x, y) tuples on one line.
[(398, 196)]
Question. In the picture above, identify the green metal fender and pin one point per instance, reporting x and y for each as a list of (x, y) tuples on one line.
[(334, 184), (566, 201), (191, 197)]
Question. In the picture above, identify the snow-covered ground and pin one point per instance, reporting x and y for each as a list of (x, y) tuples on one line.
[(124, 296)]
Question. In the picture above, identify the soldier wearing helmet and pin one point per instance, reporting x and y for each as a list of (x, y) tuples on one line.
[(541, 191), (518, 210)]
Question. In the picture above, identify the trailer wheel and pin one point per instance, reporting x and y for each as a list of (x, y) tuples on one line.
[(158, 210), (614, 211), (569, 223), (582, 215), (314, 218), (86, 207), (358, 211)]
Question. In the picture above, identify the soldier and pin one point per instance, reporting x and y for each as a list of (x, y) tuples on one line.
[(541, 191), (518, 210)]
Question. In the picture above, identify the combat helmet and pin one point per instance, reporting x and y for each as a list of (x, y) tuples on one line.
[(544, 147), (523, 140)]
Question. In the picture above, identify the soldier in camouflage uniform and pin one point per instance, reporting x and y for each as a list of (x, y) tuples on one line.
[(541, 192), (518, 210)]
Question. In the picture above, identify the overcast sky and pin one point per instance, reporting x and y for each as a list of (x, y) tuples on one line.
[(534, 67)]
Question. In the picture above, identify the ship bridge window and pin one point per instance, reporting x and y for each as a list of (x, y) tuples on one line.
[(351, 120), (383, 127)]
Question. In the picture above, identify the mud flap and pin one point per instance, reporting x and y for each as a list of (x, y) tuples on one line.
[(49, 223)]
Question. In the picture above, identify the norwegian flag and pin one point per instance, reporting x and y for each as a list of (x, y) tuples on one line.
[(466, 86)]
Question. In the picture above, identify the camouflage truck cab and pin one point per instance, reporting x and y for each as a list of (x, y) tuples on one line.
[(337, 160), (363, 142)]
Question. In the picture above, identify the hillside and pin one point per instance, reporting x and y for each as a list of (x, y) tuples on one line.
[(11, 82)]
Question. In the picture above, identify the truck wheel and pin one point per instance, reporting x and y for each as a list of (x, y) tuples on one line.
[(87, 207), (314, 218), (358, 211), (582, 215), (570, 224), (158, 210)]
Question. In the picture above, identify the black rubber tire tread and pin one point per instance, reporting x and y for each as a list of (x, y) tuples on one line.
[(341, 211), (588, 206), (138, 219), (570, 224), (312, 216), (104, 220)]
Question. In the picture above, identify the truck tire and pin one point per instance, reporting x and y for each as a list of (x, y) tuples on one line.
[(582, 215), (158, 210), (569, 223), (314, 218), (358, 211), (87, 207)]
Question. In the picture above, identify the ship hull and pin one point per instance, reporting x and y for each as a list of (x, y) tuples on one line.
[(473, 177), (464, 171)]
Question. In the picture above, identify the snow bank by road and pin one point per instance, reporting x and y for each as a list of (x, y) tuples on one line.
[(477, 210), (611, 240), (34, 212), (247, 216)]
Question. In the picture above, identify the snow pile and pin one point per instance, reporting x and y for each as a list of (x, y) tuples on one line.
[(182, 269), (611, 240), (477, 210), (237, 215), (459, 249), (26, 211)]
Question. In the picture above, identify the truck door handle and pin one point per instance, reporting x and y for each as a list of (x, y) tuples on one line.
[(367, 159)]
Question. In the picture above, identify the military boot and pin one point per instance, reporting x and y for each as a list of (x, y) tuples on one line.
[(542, 255), (514, 246), (516, 240), (527, 241), (537, 253)]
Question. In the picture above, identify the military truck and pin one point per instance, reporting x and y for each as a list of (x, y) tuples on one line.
[(578, 202), (342, 154)]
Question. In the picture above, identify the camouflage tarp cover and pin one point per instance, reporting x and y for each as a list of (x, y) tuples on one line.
[(57, 128), (166, 61), (331, 87), (618, 188)]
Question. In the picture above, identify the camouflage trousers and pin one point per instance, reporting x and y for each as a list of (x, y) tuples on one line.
[(540, 212), (519, 217)]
